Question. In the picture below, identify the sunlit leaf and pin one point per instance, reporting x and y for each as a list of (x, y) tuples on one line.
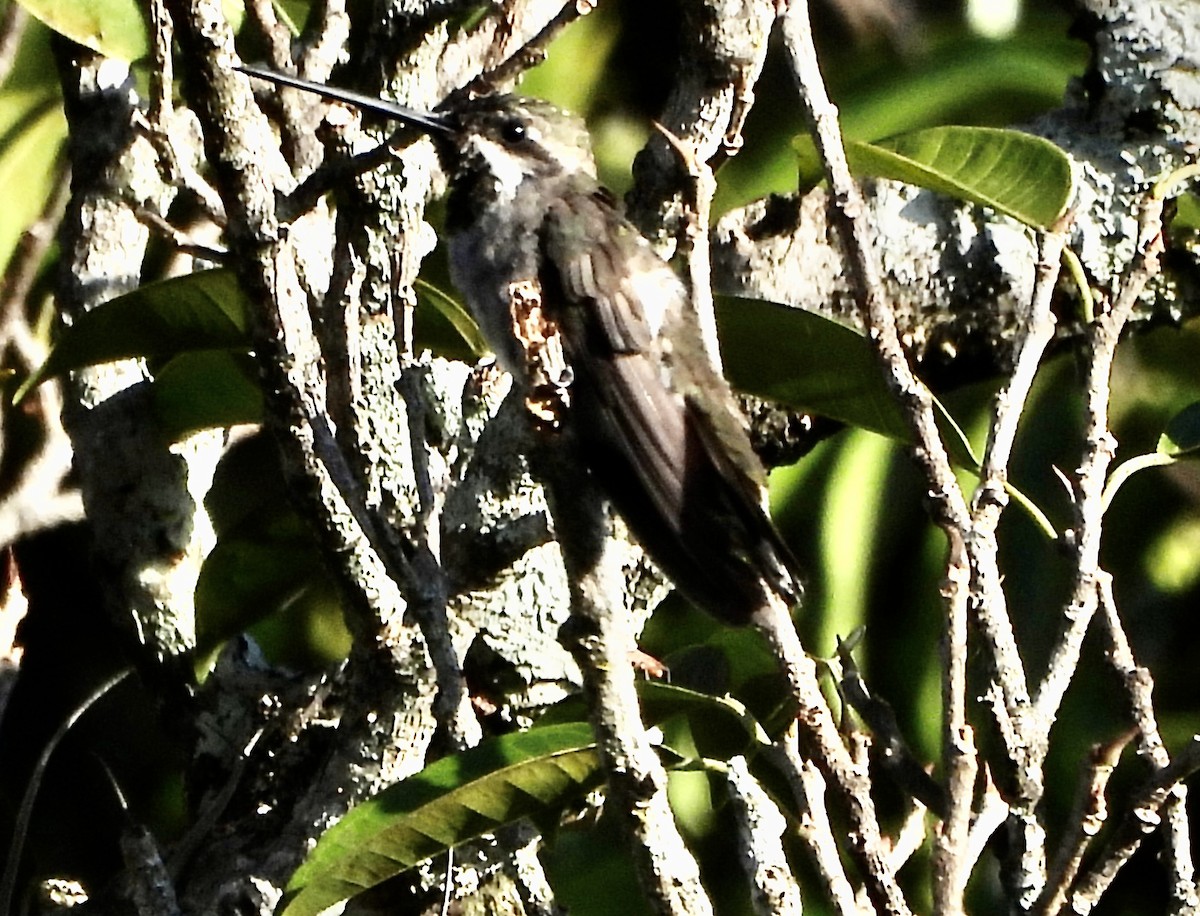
[(1017, 174), (971, 81), (1180, 439), (1187, 213), (532, 774), (806, 361), (115, 28), (34, 131), (572, 73), (205, 310), (458, 798), (265, 576), (720, 727)]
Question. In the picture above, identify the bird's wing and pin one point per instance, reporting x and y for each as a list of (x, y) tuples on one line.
[(597, 271), (656, 422)]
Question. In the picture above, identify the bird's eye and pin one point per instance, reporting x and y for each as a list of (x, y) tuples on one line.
[(513, 131)]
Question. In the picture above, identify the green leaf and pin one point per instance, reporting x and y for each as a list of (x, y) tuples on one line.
[(266, 575), (571, 74), (720, 727), (807, 361), (1022, 176), (454, 312), (259, 568), (526, 774), (813, 363), (1180, 439), (204, 310), (202, 389), (1182, 434), (33, 131), (245, 580), (972, 81), (1187, 213), (115, 28)]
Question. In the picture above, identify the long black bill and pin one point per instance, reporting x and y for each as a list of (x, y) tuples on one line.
[(426, 121)]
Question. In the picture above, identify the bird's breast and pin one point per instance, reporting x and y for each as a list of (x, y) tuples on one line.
[(490, 255)]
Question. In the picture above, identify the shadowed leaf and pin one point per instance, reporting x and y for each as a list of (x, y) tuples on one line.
[(201, 389), (201, 311), (1182, 434), (458, 798), (809, 362)]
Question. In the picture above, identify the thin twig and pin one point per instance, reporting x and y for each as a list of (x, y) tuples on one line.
[(951, 866), (501, 39), (274, 33), (1140, 819), (892, 752), (25, 811), (299, 140), (819, 740), (332, 29), (773, 889), (848, 214), (949, 506), (162, 77), (179, 239), (1139, 687), (814, 828), (430, 605), (601, 640), (1088, 591), (1037, 332), (991, 497), (1024, 734), (1103, 336), (989, 817), (1088, 815), (26, 261), (39, 498), (695, 249)]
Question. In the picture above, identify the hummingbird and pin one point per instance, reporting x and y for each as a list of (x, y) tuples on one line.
[(601, 334)]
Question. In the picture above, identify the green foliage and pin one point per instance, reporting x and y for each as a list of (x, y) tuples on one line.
[(24, 163), (1182, 435), (454, 313), (818, 365), (115, 28), (266, 575), (1014, 173), (527, 774), (1187, 214), (202, 389), (1180, 440), (200, 311), (956, 78), (256, 569), (195, 328), (531, 774)]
